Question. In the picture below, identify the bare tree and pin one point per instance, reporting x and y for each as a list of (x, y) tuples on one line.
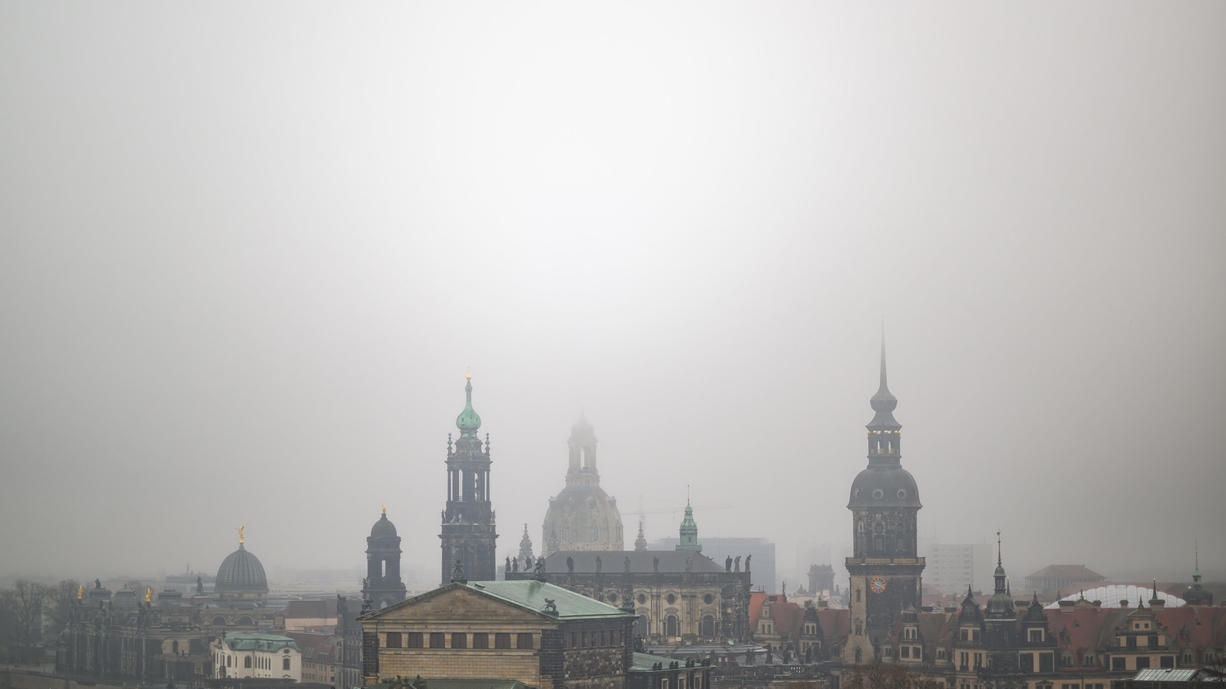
[(24, 603)]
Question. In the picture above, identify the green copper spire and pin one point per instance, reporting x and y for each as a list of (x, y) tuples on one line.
[(468, 421), (689, 531)]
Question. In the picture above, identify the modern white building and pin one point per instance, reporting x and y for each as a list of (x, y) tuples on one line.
[(954, 566), (246, 655)]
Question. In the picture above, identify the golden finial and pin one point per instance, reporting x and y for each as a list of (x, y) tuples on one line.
[(468, 375), (148, 593), (384, 509), (80, 592), (241, 537)]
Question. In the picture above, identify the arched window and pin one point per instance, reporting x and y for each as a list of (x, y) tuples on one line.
[(247, 662), (708, 626), (671, 626)]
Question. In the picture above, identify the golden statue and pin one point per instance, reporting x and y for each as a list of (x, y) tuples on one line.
[(385, 509), (148, 593), (241, 538), (80, 592)]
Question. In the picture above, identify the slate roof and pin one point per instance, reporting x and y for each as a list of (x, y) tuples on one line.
[(311, 608), (449, 683), (641, 561), (642, 662)]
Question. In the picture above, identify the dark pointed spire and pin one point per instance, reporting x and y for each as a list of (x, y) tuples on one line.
[(883, 403)]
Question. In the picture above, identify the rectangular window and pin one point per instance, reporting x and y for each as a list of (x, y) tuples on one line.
[(1166, 661), (1034, 634), (583, 639), (604, 639), (523, 641), (481, 640), (285, 663), (502, 640), (438, 640), (906, 651), (1142, 662), (393, 639), (1025, 663), (414, 640), (574, 639), (1117, 664), (459, 640)]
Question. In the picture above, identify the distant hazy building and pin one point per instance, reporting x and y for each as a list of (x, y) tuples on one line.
[(468, 532), (952, 567), (1062, 579), (383, 585), (678, 594), (719, 549), (582, 516)]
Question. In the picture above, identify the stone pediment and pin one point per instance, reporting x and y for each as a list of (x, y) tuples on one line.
[(456, 604)]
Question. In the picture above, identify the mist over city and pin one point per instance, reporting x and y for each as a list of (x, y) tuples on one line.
[(252, 254)]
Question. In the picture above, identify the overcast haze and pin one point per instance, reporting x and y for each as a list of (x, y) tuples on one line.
[(250, 250)]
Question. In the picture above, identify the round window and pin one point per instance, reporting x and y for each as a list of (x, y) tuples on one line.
[(708, 599), (642, 598), (670, 598), (878, 493), (612, 597), (902, 493)]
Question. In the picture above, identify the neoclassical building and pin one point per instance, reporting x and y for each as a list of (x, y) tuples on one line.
[(884, 567), (582, 516)]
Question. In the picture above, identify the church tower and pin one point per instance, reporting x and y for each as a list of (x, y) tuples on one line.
[(885, 570), (582, 516), (689, 531), (468, 521), (383, 585)]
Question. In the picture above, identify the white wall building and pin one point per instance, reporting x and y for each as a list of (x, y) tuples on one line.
[(269, 656)]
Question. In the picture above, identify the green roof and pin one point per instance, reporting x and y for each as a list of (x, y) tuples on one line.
[(532, 594), (246, 641)]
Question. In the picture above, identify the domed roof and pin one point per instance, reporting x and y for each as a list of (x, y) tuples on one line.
[(468, 421), (241, 571), (384, 528), (582, 517), (884, 486)]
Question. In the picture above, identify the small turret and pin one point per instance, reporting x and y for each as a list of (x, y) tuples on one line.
[(689, 531)]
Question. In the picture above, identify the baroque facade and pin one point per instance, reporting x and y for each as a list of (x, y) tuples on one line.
[(884, 567), (468, 532), (582, 516), (678, 595)]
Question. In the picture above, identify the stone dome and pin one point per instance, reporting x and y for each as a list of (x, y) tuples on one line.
[(884, 486), (241, 572), (583, 517), (384, 528)]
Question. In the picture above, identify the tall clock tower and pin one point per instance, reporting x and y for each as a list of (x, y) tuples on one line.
[(885, 570)]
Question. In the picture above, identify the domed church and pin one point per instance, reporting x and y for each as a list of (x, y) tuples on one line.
[(582, 516), (240, 579)]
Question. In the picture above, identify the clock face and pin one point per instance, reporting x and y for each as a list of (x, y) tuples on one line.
[(876, 584)]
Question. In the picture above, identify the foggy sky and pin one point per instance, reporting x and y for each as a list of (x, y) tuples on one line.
[(250, 250)]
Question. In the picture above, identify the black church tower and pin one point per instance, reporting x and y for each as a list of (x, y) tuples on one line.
[(383, 585), (468, 522), (885, 570)]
